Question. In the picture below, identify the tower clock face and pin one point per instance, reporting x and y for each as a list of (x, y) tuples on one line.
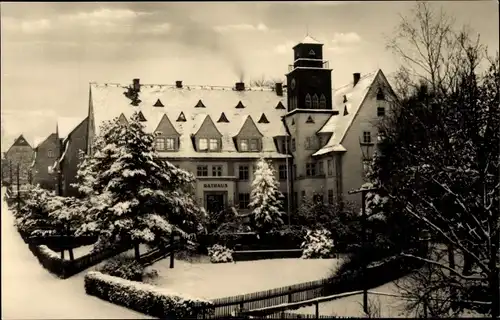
[(292, 84)]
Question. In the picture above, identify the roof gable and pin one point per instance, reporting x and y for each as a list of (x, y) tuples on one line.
[(249, 129), (208, 128), (21, 142), (165, 127)]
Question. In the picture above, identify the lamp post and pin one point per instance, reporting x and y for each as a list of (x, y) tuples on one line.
[(366, 149), (363, 192)]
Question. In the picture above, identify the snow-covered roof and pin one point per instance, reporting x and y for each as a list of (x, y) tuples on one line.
[(109, 101), (310, 40), (340, 123), (38, 140), (66, 125)]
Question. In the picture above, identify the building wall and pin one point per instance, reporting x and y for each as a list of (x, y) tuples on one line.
[(300, 131), (365, 120), (22, 155), (77, 141), (229, 182), (45, 156)]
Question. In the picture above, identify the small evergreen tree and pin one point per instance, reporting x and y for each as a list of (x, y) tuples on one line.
[(134, 196), (265, 198)]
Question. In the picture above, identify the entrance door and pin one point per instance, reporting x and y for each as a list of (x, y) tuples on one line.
[(215, 203)]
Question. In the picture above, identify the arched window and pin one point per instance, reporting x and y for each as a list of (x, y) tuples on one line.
[(308, 101), (315, 101), (322, 102)]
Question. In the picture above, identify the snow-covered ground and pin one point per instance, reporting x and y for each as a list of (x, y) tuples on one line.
[(390, 307), (217, 280), (31, 292)]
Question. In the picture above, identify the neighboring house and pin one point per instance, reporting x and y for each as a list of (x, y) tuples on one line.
[(20, 155), (47, 150), (314, 135)]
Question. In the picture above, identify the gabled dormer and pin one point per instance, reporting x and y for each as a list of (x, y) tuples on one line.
[(249, 138), (199, 104), (207, 138), (166, 136)]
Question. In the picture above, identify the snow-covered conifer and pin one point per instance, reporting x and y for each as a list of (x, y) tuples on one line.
[(265, 198), (134, 196)]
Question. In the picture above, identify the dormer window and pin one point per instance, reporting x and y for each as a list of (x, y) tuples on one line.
[(308, 101), (263, 119), (322, 102), (214, 144), (315, 101), (141, 117), (249, 145), (199, 104), (203, 144), (181, 117)]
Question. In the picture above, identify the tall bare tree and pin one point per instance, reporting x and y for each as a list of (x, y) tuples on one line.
[(264, 82)]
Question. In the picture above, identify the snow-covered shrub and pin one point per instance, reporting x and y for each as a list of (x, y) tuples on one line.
[(123, 267), (266, 201), (317, 244), (33, 214), (50, 260), (145, 298), (220, 254)]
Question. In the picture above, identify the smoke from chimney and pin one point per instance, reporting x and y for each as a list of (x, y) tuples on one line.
[(194, 34)]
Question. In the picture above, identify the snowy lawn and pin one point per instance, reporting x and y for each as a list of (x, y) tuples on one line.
[(31, 292), (218, 280)]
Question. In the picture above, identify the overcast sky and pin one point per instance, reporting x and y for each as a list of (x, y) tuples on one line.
[(50, 51)]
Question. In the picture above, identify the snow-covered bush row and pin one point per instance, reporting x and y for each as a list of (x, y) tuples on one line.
[(145, 298), (220, 254), (125, 267), (50, 260), (317, 244)]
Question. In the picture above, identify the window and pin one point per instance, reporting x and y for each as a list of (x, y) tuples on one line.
[(244, 145), (322, 102), (282, 172), (380, 111), (254, 145), (283, 145), (170, 144), (214, 144), (243, 173), (330, 167), (243, 200), (330, 196), (321, 169), (294, 172), (310, 169), (202, 171), (293, 144), (380, 94), (160, 144), (203, 144), (50, 153), (217, 171), (367, 138), (318, 198), (308, 101), (315, 101)]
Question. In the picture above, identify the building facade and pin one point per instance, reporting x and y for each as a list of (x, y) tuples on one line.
[(18, 158), (319, 139), (46, 152)]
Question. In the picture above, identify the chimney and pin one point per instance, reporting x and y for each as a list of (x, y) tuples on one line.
[(279, 89), (178, 84), (240, 86), (356, 76), (136, 85)]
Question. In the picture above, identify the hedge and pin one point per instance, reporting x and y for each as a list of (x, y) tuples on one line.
[(67, 268), (145, 298)]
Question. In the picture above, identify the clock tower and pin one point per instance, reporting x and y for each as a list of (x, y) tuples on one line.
[(309, 80)]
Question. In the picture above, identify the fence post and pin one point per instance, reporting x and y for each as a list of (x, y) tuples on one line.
[(289, 295), (172, 250), (316, 304)]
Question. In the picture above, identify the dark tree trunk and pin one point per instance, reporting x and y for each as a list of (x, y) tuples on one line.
[(62, 254)]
